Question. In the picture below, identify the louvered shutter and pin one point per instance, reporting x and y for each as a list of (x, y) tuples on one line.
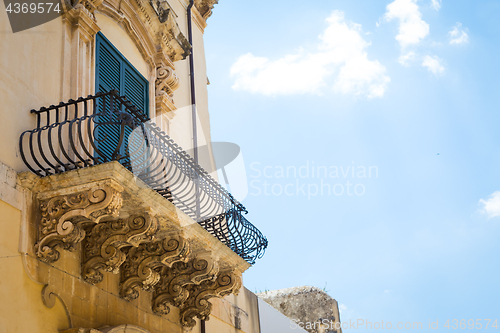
[(136, 91), (113, 71)]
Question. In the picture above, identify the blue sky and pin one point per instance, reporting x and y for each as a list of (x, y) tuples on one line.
[(408, 87)]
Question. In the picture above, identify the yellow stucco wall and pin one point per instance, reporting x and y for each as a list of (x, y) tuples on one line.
[(21, 306), (30, 77)]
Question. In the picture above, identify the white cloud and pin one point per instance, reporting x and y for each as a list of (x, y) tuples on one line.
[(407, 58), (412, 29), (457, 35), (491, 206), (436, 4), (433, 64), (340, 61)]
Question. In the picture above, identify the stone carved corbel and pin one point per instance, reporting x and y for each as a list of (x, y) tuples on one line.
[(172, 287), (171, 39), (102, 247), (205, 7), (61, 216), (197, 305), (166, 81), (140, 270)]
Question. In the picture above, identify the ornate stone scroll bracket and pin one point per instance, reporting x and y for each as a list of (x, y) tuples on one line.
[(197, 305), (102, 247), (166, 81), (140, 270), (172, 287), (61, 216), (205, 7)]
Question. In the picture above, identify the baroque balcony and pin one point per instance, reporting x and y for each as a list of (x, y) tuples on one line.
[(108, 182)]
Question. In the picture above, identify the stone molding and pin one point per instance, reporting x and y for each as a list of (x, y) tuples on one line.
[(127, 228), (81, 17)]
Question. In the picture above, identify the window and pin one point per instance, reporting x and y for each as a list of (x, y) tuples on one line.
[(113, 71)]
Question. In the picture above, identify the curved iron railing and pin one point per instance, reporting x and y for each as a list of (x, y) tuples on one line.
[(107, 127)]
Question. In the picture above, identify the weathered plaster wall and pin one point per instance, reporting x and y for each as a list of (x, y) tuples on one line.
[(313, 308), (272, 321)]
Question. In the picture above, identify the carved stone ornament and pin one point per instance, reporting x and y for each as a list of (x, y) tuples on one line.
[(172, 287), (161, 25), (104, 241), (140, 270), (197, 305), (90, 5), (166, 81), (61, 218), (205, 7)]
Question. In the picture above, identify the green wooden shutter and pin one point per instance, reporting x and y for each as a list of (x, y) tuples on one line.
[(113, 71)]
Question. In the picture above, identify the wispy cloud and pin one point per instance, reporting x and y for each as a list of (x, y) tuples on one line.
[(340, 62), (434, 64), (458, 35), (412, 29), (407, 58), (436, 4), (491, 206)]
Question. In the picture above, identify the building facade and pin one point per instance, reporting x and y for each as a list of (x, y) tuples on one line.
[(108, 224)]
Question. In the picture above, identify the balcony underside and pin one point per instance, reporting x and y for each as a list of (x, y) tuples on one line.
[(122, 226)]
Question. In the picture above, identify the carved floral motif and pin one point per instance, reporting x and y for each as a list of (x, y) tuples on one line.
[(197, 305), (61, 216), (140, 270), (171, 288), (102, 247)]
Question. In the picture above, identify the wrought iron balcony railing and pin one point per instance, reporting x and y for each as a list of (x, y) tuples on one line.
[(107, 127)]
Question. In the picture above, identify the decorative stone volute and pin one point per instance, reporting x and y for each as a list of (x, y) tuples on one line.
[(197, 304), (102, 247), (141, 269), (61, 218), (174, 281), (166, 81)]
